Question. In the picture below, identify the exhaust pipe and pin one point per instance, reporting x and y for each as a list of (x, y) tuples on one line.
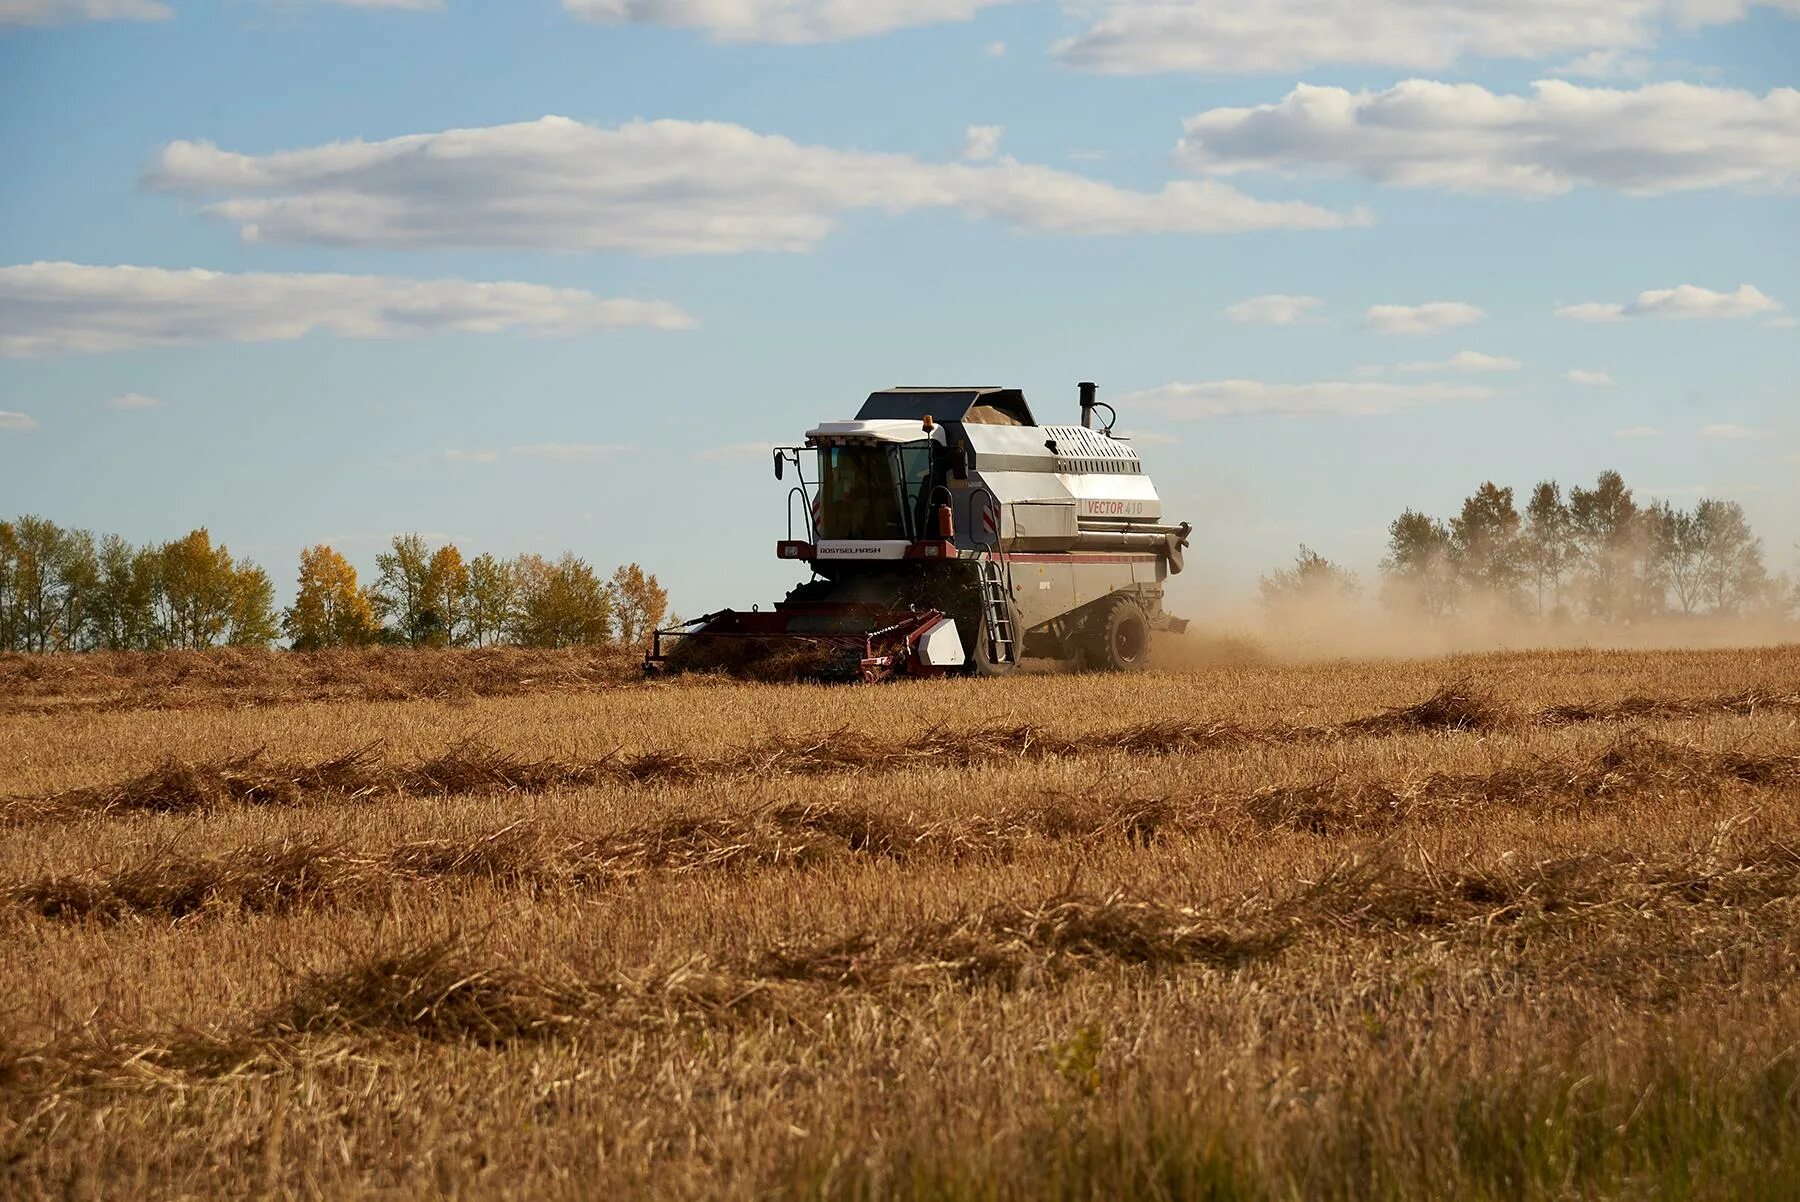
[(1088, 388)]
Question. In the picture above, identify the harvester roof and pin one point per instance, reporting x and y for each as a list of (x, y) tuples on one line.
[(980, 405)]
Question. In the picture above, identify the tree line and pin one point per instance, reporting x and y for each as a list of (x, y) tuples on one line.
[(427, 598), (68, 590), (1596, 552)]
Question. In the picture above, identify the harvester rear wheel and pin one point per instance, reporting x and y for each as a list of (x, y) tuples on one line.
[(1118, 637)]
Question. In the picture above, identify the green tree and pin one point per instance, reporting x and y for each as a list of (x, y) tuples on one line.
[(329, 609), (1676, 544), (400, 589), (1419, 571), (1548, 542), (1731, 570), (1485, 545), (1610, 539), (253, 621), (639, 603), (1313, 580), (122, 613), (41, 551), (561, 604), (493, 600)]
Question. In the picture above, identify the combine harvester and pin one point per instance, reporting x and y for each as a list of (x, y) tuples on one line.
[(948, 532)]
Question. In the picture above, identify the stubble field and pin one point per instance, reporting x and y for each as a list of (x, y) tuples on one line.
[(1511, 925)]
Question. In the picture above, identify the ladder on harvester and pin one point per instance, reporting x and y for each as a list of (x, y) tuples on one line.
[(996, 614)]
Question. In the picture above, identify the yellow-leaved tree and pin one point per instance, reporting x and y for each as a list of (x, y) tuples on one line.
[(329, 610), (561, 604), (208, 599), (443, 616), (639, 604)]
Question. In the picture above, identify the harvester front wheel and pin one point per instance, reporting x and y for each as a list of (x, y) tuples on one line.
[(1118, 637)]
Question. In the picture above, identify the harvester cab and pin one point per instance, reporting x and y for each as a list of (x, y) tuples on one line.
[(948, 532)]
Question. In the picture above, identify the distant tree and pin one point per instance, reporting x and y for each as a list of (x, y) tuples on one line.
[(1312, 580), (41, 552), (1675, 548), (10, 621), (122, 613), (1548, 542), (493, 600), (209, 599), (77, 569), (329, 609), (443, 616), (253, 621), (1419, 570), (1485, 546), (639, 604), (401, 587), (561, 604), (1732, 575), (1610, 538)]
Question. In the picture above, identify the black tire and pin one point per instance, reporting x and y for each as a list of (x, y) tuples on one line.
[(1118, 637)]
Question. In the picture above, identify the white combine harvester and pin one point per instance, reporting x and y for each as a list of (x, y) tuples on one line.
[(948, 532)]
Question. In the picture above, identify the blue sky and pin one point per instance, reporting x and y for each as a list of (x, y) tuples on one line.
[(1332, 260)]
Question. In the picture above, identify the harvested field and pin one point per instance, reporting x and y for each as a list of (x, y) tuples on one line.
[(240, 677), (1521, 925)]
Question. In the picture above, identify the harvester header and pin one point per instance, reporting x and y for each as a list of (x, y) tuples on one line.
[(948, 532)]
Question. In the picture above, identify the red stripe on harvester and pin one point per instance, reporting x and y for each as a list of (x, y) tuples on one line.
[(1093, 557)]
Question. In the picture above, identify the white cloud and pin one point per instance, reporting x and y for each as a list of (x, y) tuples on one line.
[(1726, 431), (1464, 361), (1257, 36), (1225, 398), (16, 421), (784, 21), (982, 142), (47, 308), (1151, 438), (661, 187), (1638, 432), (1685, 301), (1594, 379), (471, 456), (572, 451), (1613, 63), (995, 50), (133, 400), (58, 12), (1275, 309), (1421, 319), (736, 452), (1784, 322), (1660, 138)]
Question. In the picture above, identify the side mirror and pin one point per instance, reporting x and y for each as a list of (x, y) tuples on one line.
[(778, 458)]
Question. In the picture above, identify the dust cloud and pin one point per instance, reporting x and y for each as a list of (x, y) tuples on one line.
[(1247, 635)]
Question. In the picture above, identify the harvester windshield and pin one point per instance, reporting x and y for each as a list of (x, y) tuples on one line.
[(873, 492)]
